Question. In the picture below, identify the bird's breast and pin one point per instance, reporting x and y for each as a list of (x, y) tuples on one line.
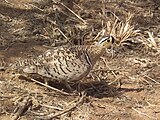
[(67, 68)]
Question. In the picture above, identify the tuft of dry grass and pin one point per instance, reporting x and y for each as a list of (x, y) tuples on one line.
[(121, 30), (150, 41)]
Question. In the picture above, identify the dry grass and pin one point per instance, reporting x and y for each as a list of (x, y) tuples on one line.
[(28, 25), (122, 30)]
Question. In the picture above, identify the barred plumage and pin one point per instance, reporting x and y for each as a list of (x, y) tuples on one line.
[(65, 63)]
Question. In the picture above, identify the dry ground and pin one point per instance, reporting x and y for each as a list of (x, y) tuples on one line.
[(126, 81)]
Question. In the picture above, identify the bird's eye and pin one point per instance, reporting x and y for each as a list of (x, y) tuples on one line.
[(108, 40)]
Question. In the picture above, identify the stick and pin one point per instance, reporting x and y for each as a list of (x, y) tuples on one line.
[(57, 90), (22, 108), (52, 115)]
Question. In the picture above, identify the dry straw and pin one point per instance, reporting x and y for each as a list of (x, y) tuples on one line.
[(122, 30)]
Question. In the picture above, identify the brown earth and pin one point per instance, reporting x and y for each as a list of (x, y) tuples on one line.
[(125, 83)]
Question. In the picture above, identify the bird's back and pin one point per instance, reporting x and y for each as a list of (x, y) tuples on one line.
[(60, 63)]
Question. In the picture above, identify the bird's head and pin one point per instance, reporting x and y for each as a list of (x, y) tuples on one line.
[(107, 41)]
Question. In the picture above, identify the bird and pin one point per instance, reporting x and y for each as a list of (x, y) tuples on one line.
[(65, 63)]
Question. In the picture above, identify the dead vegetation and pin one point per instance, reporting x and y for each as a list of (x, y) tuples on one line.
[(123, 85)]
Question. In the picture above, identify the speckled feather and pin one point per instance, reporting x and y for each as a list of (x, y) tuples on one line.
[(63, 63)]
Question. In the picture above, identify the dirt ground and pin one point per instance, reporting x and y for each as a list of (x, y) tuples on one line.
[(124, 84)]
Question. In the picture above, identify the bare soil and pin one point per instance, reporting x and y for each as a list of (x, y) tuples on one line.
[(124, 84)]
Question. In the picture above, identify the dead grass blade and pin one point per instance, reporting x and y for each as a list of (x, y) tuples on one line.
[(122, 30), (152, 40), (74, 13)]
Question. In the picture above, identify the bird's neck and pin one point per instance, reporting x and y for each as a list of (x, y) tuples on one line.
[(95, 52)]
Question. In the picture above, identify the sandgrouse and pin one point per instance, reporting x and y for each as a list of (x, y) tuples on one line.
[(65, 64)]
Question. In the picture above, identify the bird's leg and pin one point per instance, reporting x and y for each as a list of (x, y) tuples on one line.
[(79, 86), (68, 86)]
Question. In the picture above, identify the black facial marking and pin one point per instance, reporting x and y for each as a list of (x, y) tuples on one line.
[(104, 39), (108, 40), (113, 40)]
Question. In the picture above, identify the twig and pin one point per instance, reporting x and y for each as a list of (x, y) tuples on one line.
[(57, 90), (53, 107), (52, 115), (52, 22), (143, 113), (35, 7), (17, 30), (100, 33), (73, 13), (22, 108), (153, 80), (64, 36), (77, 6)]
